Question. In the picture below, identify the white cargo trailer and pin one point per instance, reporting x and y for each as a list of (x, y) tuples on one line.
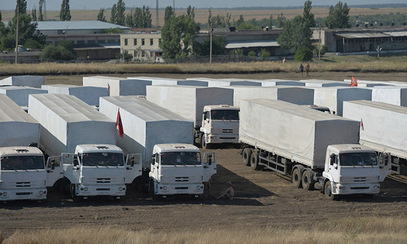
[(296, 95), (19, 94), (227, 82), (24, 80), (81, 142), (146, 124), (323, 83), (88, 94), (22, 167), (333, 97), (316, 149), (383, 127), (194, 102), (118, 86), (279, 82), (392, 95)]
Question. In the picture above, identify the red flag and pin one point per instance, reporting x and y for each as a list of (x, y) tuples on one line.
[(362, 125), (353, 81), (119, 123)]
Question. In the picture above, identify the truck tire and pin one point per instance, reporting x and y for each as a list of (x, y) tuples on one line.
[(307, 180), (254, 161), (296, 177), (246, 154), (328, 191)]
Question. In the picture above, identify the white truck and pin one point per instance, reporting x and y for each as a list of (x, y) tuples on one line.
[(150, 129), (192, 103), (383, 128), (81, 144), (22, 167), (318, 150), (179, 169)]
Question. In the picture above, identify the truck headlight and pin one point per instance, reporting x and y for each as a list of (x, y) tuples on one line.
[(376, 187), (164, 188), (42, 193), (84, 189), (122, 188), (199, 187), (343, 188)]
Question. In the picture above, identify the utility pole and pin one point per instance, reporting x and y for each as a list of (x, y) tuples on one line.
[(173, 5), (156, 10), (18, 23), (319, 43), (210, 42)]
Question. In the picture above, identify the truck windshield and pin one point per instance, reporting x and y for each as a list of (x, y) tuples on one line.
[(225, 114), (102, 159), (22, 163), (358, 159), (181, 158)]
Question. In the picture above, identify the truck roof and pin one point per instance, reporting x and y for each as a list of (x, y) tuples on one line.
[(19, 151), (220, 107), (348, 148), (93, 148), (171, 147), (10, 111)]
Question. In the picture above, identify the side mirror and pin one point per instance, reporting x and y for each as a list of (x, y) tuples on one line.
[(52, 164), (332, 159), (209, 159), (153, 160), (75, 161), (335, 165)]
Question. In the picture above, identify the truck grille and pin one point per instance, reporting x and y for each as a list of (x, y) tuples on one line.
[(23, 184), (23, 193), (360, 188), (227, 138), (181, 179), (103, 180), (102, 189), (359, 179), (230, 131)]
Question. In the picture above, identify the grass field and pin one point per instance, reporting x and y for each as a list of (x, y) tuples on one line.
[(347, 230), (201, 15)]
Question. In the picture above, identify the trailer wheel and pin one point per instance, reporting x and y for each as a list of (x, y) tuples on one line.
[(328, 191), (297, 177), (246, 154), (254, 161), (307, 180)]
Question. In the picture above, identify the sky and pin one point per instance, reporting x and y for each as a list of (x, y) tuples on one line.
[(98, 4)]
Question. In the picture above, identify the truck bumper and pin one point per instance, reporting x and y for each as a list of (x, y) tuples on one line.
[(223, 138), (98, 190), (23, 194), (350, 189), (178, 189)]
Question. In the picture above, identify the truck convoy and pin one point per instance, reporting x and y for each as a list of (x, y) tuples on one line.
[(317, 150), (176, 166), (383, 128), (212, 124), (22, 167), (81, 144)]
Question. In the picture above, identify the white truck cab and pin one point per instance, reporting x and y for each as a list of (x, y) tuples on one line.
[(353, 169), (96, 170), (178, 169), (22, 174), (220, 124)]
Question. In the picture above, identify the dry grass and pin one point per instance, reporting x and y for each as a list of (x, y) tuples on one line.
[(201, 15), (347, 230), (331, 64)]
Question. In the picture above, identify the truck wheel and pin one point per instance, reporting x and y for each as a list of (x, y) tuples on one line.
[(328, 191), (254, 161), (246, 154), (307, 181), (297, 177)]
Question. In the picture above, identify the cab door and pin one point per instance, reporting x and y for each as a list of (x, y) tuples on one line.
[(133, 167), (54, 170), (209, 165)]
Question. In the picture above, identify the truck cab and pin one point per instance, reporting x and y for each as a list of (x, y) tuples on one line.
[(220, 124), (178, 169), (98, 170), (22, 174), (353, 169)]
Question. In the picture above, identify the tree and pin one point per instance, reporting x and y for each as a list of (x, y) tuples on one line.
[(138, 18), (40, 14), (296, 34), (338, 16), (191, 12), (101, 15), (65, 13), (270, 25), (113, 14), (34, 14), (169, 12), (21, 6), (117, 15), (307, 15), (63, 51), (303, 54), (264, 54), (178, 36), (129, 19), (240, 20), (146, 17), (203, 49), (280, 20)]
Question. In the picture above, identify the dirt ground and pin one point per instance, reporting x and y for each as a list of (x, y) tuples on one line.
[(263, 198)]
